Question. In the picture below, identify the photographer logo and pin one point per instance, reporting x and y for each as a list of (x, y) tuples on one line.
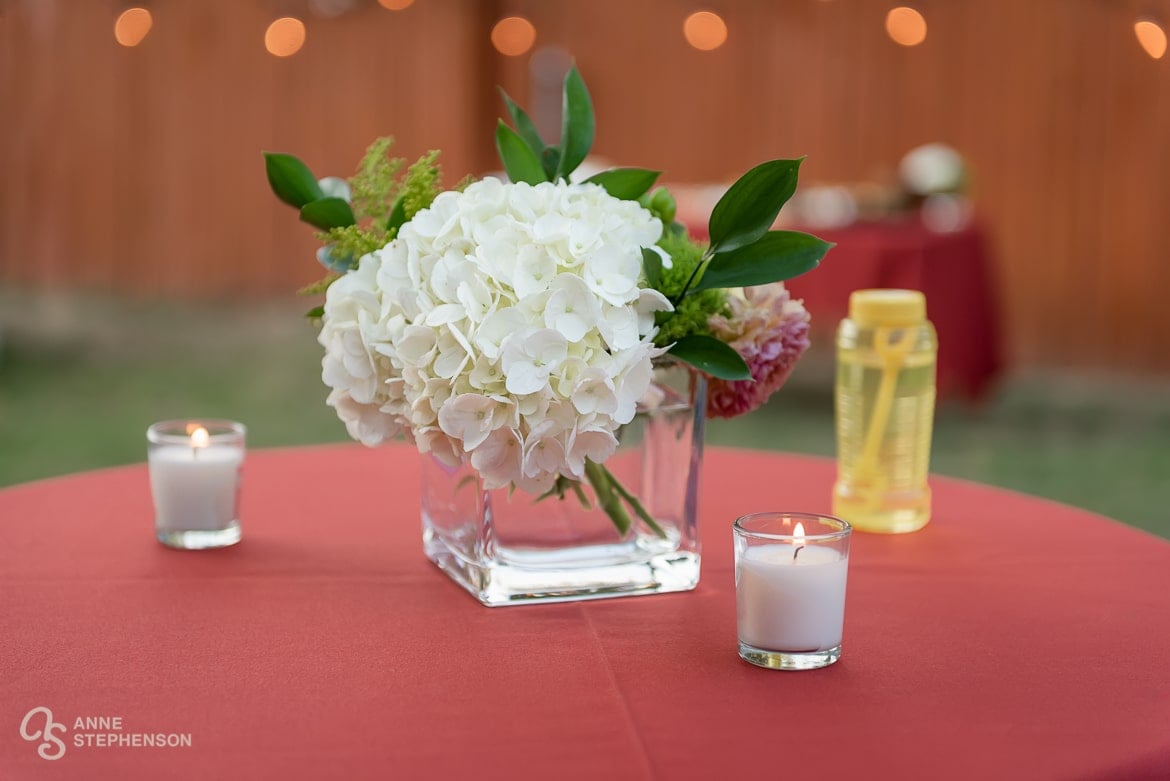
[(52, 737), (51, 746)]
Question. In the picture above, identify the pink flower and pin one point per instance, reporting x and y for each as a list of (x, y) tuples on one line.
[(770, 331)]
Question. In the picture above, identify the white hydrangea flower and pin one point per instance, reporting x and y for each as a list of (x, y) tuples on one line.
[(504, 327), (356, 371), (531, 357)]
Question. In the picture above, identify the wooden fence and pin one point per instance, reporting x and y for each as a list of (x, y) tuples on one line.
[(139, 169)]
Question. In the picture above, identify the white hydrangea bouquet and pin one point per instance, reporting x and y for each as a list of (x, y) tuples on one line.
[(514, 326)]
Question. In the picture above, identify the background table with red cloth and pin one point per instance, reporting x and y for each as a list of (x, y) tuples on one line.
[(953, 269), (1013, 638)]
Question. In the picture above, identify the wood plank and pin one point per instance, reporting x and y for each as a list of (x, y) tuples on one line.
[(139, 169)]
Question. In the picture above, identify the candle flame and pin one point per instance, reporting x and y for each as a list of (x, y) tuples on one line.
[(199, 437), (797, 540)]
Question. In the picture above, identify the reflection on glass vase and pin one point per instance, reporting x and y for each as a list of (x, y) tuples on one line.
[(509, 550)]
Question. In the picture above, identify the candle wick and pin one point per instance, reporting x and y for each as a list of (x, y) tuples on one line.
[(798, 550)]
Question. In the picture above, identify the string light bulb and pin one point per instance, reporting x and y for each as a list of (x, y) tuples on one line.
[(285, 36), (513, 36), (1151, 36), (905, 26), (705, 30), (132, 26)]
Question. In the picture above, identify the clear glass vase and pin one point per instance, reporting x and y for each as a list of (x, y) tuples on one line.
[(511, 549)]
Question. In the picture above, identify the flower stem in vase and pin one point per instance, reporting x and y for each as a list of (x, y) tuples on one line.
[(610, 494)]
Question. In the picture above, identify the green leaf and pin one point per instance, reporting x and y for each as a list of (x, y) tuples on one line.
[(326, 213), (708, 354), (775, 256), (749, 207), (652, 265), (576, 124), (524, 125), (397, 215), (550, 158), (519, 161), (316, 313), (291, 180), (629, 184)]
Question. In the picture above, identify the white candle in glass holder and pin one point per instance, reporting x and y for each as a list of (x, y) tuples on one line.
[(791, 597), (195, 484)]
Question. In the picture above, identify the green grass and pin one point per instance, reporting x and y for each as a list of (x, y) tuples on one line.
[(82, 377)]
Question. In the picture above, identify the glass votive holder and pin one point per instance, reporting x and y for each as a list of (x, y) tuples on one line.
[(195, 481), (790, 573)]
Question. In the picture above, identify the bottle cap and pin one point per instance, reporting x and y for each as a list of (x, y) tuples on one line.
[(891, 308)]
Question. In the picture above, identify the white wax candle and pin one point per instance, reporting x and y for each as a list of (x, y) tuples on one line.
[(791, 604), (195, 488)]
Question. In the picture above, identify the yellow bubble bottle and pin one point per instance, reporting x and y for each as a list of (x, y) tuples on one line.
[(884, 398)]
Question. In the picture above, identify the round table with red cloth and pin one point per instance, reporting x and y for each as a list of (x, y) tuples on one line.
[(1013, 638)]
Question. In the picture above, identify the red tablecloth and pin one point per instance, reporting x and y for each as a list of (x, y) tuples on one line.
[(1013, 638)]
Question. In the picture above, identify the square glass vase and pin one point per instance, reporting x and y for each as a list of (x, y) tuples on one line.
[(509, 549)]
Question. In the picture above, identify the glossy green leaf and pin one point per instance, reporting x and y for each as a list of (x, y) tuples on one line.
[(291, 180), (652, 265), (525, 127), (316, 313), (629, 184), (397, 215), (519, 161), (550, 158), (576, 123), (708, 354), (749, 207), (326, 213), (775, 256)]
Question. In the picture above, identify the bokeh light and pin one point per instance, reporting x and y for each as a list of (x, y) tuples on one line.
[(132, 26), (705, 30), (906, 26), (1152, 37), (395, 5), (285, 36), (513, 36)]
